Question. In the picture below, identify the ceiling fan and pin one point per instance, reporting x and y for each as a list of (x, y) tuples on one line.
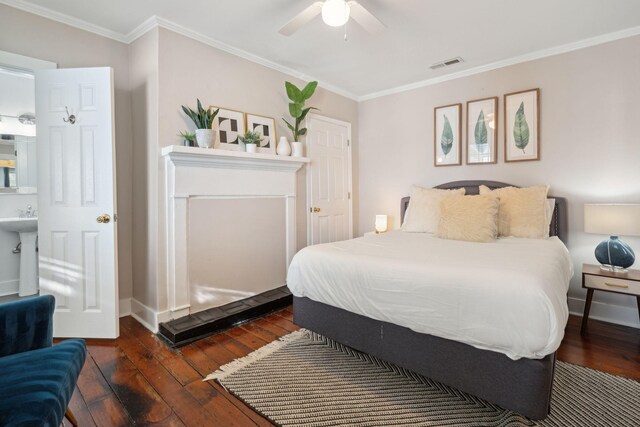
[(335, 13)]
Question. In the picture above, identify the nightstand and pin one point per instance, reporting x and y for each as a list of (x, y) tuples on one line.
[(593, 278)]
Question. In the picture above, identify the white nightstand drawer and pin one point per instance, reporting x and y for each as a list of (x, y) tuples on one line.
[(613, 284)]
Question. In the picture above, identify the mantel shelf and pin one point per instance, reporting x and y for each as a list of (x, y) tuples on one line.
[(179, 154)]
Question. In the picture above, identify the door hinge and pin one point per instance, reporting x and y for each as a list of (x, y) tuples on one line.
[(349, 195), (348, 142)]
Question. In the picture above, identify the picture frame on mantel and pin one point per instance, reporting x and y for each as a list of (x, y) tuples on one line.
[(482, 131), (447, 139), (228, 126), (522, 126), (265, 126)]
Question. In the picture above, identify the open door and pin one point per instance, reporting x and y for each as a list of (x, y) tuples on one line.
[(77, 200)]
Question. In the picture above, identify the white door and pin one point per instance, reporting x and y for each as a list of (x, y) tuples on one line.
[(329, 180), (76, 200)]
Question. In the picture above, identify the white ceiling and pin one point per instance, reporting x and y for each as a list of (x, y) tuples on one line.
[(419, 32)]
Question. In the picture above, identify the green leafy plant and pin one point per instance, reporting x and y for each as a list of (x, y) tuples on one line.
[(203, 119), (187, 136), (298, 98), (251, 137), (481, 130), (446, 140), (521, 129)]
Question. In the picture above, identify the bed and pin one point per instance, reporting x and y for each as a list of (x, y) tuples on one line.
[(355, 292)]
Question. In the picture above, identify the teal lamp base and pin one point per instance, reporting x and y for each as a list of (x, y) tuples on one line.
[(614, 255)]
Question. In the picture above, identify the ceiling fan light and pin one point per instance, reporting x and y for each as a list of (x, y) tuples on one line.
[(335, 13)]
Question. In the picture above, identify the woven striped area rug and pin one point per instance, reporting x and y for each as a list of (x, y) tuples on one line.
[(305, 379)]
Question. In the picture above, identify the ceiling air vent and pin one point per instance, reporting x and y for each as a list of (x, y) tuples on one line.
[(447, 63)]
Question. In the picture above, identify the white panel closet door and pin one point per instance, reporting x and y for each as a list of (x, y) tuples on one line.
[(330, 204), (76, 200)]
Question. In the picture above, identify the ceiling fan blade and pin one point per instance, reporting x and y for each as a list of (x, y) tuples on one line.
[(301, 19), (363, 17)]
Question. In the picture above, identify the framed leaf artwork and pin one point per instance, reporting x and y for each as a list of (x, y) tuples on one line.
[(447, 128), (265, 126), (228, 126), (482, 131), (522, 126)]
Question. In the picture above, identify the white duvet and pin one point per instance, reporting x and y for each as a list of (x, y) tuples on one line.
[(509, 296)]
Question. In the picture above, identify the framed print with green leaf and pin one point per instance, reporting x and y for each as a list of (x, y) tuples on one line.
[(482, 131), (522, 126), (447, 128)]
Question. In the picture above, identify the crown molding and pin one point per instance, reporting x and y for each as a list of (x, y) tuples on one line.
[(158, 22), (64, 18), (539, 54)]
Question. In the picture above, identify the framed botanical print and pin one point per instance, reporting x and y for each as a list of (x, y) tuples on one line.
[(482, 131), (265, 126), (447, 128), (228, 126), (522, 126)]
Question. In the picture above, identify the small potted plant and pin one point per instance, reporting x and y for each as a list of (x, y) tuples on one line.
[(203, 119), (298, 111), (251, 141), (188, 138)]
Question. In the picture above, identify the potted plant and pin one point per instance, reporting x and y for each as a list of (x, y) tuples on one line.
[(298, 98), (188, 138), (203, 119), (251, 141)]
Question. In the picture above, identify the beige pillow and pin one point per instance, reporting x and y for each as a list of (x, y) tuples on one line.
[(470, 218), (423, 212), (523, 211)]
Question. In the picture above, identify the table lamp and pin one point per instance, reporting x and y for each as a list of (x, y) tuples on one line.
[(381, 224), (613, 254)]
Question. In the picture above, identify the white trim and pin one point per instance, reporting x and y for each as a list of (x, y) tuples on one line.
[(9, 287), (147, 317), (156, 21), (45, 12), (539, 54), (620, 315), (350, 172), (22, 62), (124, 307)]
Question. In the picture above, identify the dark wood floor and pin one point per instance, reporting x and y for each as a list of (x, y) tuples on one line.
[(137, 380)]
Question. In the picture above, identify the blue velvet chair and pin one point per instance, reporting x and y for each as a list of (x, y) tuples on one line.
[(37, 378)]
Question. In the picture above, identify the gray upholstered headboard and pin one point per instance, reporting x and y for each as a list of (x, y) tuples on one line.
[(558, 226)]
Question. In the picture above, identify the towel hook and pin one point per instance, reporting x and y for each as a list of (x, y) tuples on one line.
[(70, 117)]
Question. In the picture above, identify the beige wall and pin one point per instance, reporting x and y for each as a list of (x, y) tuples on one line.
[(40, 38), (189, 69), (143, 69), (590, 146)]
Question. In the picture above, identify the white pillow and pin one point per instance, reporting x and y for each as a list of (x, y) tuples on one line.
[(423, 212), (551, 205)]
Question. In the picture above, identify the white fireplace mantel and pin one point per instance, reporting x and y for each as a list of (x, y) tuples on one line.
[(210, 173)]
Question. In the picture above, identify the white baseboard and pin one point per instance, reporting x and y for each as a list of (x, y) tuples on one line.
[(124, 307), (9, 287), (147, 316), (627, 316)]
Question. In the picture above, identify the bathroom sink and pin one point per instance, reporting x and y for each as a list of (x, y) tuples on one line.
[(28, 229), (19, 225)]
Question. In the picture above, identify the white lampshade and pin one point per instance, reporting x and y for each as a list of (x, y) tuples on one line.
[(335, 13), (613, 219), (381, 223)]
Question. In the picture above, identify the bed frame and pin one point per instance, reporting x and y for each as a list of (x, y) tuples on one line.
[(523, 386)]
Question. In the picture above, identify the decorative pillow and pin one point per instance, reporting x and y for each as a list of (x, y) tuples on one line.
[(470, 218), (523, 211), (423, 212)]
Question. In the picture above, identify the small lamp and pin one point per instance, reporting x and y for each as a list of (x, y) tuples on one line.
[(381, 224), (613, 254)]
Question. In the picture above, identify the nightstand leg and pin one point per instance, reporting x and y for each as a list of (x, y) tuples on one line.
[(587, 307)]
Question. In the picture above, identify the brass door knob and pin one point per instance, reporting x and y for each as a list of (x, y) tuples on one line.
[(316, 209), (103, 219)]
